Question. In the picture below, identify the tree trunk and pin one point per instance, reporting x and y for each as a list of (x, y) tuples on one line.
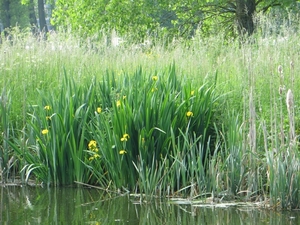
[(244, 16), (7, 17), (32, 17), (42, 18)]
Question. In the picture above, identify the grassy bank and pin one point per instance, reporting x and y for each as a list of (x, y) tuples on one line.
[(208, 118)]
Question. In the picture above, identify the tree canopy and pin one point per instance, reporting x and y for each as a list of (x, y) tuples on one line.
[(140, 18), (180, 17)]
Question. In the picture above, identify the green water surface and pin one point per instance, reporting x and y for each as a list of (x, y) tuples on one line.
[(37, 205)]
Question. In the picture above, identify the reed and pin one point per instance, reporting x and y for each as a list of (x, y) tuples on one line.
[(5, 151), (283, 165)]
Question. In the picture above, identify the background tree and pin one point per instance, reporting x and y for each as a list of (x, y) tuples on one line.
[(245, 10), (231, 15), (41, 22), (180, 17), (32, 17), (89, 17), (241, 13), (141, 18), (23, 13), (13, 13), (42, 16), (6, 19)]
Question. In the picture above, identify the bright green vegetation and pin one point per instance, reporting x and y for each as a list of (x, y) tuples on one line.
[(194, 120), (140, 19)]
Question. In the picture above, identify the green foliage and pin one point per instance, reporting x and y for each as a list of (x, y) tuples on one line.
[(121, 136), (283, 174), (139, 19), (7, 132), (234, 154), (93, 17), (17, 14), (55, 134), (25, 2), (147, 115)]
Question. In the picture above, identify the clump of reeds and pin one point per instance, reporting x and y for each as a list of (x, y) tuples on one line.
[(139, 132), (55, 134), (283, 162), (158, 127)]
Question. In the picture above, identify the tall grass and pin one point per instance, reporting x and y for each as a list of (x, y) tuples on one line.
[(5, 102), (207, 118)]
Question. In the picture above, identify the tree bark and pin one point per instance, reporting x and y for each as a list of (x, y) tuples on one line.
[(42, 18), (245, 10), (32, 18), (7, 16)]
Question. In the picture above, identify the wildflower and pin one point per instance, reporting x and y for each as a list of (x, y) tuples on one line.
[(189, 114), (192, 92), (47, 107), (95, 156), (125, 137), (155, 78), (99, 110), (92, 145), (118, 103), (122, 152), (45, 131)]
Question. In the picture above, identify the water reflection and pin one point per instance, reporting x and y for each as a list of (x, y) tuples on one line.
[(35, 205)]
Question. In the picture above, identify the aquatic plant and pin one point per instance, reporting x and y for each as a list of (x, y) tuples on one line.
[(55, 135), (136, 136)]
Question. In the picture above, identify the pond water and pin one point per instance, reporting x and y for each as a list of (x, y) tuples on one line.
[(36, 205)]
